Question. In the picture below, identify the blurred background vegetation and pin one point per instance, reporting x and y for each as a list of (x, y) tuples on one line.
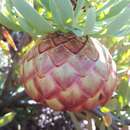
[(19, 112)]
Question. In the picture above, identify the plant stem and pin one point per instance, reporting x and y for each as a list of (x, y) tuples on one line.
[(75, 121)]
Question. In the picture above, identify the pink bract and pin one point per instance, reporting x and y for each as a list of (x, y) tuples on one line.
[(68, 73)]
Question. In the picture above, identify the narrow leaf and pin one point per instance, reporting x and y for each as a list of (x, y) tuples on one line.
[(91, 20), (106, 6), (9, 5), (107, 119), (124, 32), (46, 3), (109, 128), (7, 118), (10, 14), (9, 39), (62, 11), (75, 121), (31, 15), (4, 46), (57, 16), (79, 6), (102, 127), (119, 22), (25, 26), (6, 22), (116, 9)]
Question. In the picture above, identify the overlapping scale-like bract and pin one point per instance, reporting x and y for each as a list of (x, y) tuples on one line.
[(68, 73)]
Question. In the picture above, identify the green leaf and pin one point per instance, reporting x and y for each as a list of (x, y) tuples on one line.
[(112, 105), (46, 4), (9, 13), (119, 22), (57, 16), (105, 109), (91, 20), (75, 121), (62, 11), (7, 118), (121, 101), (123, 93), (109, 128), (8, 23), (33, 18), (9, 5), (106, 6), (102, 127), (79, 6), (116, 9), (77, 32), (124, 31), (26, 27)]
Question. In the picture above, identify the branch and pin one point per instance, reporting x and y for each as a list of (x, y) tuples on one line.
[(4, 69), (25, 104), (115, 119), (75, 121), (12, 100), (117, 123), (6, 83), (20, 39), (17, 101), (100, 114)]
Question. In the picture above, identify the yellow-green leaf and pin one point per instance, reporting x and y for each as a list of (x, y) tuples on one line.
[(7, 118), (32, 16), (90, 20)]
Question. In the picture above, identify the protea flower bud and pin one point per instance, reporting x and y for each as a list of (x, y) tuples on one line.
[(65, 72)]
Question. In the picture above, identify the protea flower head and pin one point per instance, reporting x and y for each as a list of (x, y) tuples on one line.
[(67, 69)]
